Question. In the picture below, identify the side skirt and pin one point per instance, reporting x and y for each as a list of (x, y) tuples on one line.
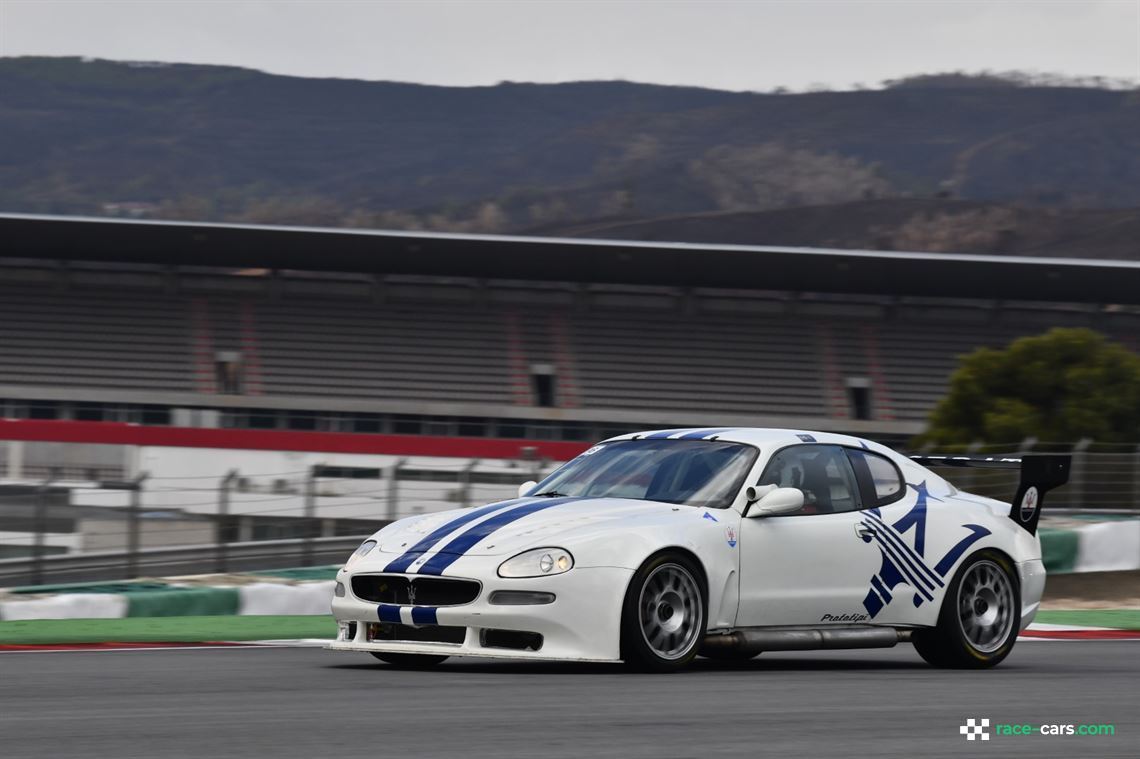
[(757, 639)]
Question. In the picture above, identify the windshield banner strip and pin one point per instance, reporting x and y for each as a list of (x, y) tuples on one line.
[(465, 542), (661, 435), (699, 434), (405, 560)]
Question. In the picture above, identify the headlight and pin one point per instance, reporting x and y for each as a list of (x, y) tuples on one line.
[(365, 547), (539, 562)]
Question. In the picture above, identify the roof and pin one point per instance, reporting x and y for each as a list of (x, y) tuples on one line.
[(757, 436), (1067, 280), (772, 438)]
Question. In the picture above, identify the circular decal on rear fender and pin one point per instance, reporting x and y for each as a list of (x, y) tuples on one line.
[(1029, 504)]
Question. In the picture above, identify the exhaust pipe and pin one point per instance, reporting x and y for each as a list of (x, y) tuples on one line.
[(756, 640)]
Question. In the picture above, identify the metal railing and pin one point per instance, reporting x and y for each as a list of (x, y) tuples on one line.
[(176, 560), (1103, 478), (58, 530)]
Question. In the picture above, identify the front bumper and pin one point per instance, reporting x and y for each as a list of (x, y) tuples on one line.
[(582, 624)]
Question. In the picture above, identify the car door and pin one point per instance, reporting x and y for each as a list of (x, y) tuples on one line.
[(810, 566)]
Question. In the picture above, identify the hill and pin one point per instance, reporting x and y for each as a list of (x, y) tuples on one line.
[(222, 143), (914, 224)]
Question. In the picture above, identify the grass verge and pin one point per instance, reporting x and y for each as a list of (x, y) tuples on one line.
[(1123, 619)]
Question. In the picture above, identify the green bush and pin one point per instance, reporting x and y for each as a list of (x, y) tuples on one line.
[(1062, 386)]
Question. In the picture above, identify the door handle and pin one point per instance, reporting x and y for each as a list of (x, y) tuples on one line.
[(864, 531)]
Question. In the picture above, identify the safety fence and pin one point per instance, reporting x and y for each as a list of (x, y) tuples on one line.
[(70, 526), (1103, 478), (64, 529)]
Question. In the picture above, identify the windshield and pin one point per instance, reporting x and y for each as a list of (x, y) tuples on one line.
[(689, 472)]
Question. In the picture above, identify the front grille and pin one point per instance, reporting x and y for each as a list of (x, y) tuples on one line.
[(419, 591), (409, 634)]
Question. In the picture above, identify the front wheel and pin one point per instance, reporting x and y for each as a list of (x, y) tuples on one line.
[(980, 616), (663, 617), (409, 661)]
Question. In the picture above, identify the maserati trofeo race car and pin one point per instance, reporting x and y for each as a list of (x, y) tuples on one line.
[(655, 547)]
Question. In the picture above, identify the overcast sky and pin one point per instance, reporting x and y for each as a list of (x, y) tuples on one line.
[(732, 45)]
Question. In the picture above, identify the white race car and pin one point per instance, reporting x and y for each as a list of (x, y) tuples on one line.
[(658, 546)]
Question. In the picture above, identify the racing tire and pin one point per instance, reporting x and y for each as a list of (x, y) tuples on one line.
[(980, 616), (409, 661), (664, 616)]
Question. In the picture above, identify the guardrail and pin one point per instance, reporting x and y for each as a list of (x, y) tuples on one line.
[(54, 530), (180, 560), (237, 520)]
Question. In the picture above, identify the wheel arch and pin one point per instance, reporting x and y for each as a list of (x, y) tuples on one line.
[(965, 559), (628, 613), (688, 553), (989, 548), (945, 644)]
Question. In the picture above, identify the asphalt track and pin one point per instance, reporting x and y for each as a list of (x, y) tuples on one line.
[(274, 702)]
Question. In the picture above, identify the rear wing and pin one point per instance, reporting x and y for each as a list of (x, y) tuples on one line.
[(1040, 473)]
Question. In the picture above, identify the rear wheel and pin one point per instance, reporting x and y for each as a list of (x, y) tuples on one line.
[(663, 618), (409, 661), (980, 616)]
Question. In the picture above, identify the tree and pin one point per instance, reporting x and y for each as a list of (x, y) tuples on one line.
[(1062, 386)]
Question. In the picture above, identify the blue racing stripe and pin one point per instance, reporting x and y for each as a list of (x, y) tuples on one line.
[(907, 563), (901, 565), (388, 613), (665, 433), (405, 559), (925, 571), (467, 540), (698, 434), (977, 532), (878, 586), (424, 615)]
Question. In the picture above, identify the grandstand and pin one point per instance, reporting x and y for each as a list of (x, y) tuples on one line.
[(88, 335), (329, 380)]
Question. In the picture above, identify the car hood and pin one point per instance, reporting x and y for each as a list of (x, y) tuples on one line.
[(527, 522)]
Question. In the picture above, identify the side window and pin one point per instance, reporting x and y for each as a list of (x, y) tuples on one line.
[(822, 472), (879, 480)]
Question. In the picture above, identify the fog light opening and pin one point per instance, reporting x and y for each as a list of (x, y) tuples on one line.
[(520, 598), (516, 640)]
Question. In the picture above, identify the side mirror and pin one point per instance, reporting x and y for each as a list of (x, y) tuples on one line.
[(526, 487), (755, 492), (775, 501)]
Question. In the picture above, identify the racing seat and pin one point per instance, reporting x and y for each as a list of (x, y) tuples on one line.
[(817, 486)]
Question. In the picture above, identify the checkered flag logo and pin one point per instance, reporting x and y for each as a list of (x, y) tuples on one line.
[(975, 729)]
